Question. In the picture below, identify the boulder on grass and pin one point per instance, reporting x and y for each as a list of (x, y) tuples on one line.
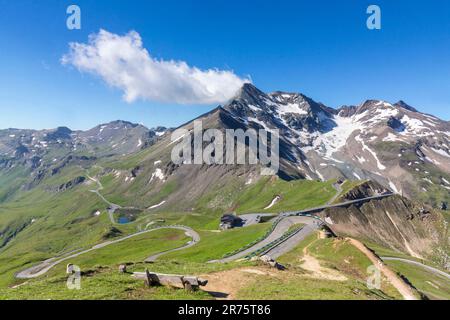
[(271, 262), (123, 268)]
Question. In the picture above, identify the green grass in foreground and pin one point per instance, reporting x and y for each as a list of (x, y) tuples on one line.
[(102, 280), (52, 229), (96, 284), (297, 287), (131, 250), (297, 283)]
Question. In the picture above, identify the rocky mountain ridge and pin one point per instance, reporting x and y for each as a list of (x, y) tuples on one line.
[(394, 144)]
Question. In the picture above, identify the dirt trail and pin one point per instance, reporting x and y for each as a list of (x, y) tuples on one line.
[(224, 285), (405, 289), (312, 264)]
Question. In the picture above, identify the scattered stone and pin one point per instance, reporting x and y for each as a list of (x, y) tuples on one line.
[(326, 232), (123, 268), (69, 268), (271, 262)]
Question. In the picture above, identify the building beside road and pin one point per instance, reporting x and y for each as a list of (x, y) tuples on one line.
[(230, 221)]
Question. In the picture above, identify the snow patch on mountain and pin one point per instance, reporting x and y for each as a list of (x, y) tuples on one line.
[(361, 159), (357, 176), (320, 175), (328, 143), (373, 153), (441, 152), (261, 123), (291, 108), (157, 205), (413, 124), (157, 174), (274, 201), (392, 137)]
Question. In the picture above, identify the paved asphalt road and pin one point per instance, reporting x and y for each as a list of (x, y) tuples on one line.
[(292, 241), (189, 232), (281, 228), (290, 218), (431, 269), (342, 204), (44, 267), (112, 206), (252, 218)]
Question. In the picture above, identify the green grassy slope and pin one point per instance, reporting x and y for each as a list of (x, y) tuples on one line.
[(41, 223), (298, 283), (295, 195), (101, 280), (431, 285)]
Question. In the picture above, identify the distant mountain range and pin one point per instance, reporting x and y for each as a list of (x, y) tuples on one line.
[(394, 144)]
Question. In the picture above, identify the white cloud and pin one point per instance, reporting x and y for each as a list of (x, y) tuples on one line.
[(123, 62)]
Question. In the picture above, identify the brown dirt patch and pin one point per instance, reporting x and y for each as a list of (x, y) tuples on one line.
[(224, 285)]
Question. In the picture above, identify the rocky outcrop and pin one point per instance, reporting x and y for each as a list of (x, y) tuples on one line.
[(79, 160), (394, 222), (60, 133), (20, 151), (136, 171), (71, 184), (11, 231), (365, 190), (113, 232)]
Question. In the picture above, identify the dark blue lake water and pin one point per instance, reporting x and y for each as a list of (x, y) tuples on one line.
[(123, 220)]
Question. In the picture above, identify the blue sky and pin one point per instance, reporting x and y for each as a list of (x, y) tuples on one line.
[(320, 48)]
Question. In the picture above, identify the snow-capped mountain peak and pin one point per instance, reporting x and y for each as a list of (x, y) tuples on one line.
[(369, 141)]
